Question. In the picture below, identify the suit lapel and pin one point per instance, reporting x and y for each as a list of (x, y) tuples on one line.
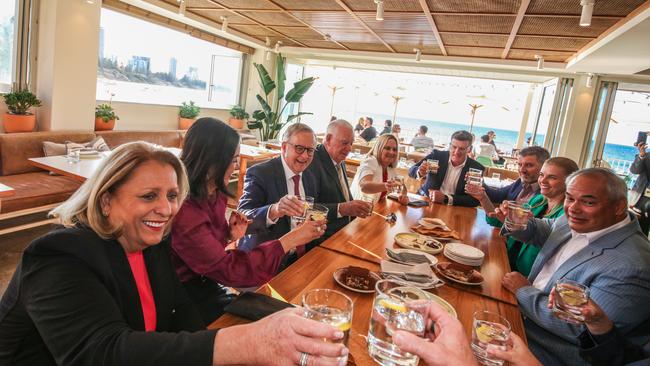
[(558, 236), (443, 165)]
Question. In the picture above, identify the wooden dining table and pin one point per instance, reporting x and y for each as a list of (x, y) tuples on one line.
[(370, 236)]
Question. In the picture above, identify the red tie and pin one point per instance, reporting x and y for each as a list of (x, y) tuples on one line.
[(296, 190)]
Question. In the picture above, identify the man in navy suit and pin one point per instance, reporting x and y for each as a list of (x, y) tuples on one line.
[(447, 184), (271, 188)]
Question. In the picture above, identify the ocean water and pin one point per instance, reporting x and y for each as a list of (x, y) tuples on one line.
[(505, 140)]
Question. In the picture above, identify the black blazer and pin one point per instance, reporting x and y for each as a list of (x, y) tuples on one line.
[(73, 301), (264, 185), (330, 192), (434, 181)]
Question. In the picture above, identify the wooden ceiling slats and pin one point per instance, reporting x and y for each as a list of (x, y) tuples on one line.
[(507, 29)]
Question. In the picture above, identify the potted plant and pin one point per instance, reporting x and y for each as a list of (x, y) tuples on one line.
[(268, 119), (105, 117), (187, 114), (18, 119), (238, 116)]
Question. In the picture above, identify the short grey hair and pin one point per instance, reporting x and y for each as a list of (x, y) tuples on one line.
[(332, 126), (296, 128), (539, 152), (614, 186)]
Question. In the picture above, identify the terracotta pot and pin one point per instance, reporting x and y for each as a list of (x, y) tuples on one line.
[(19, 122), (100, 125), (185, 123), (236, 123)]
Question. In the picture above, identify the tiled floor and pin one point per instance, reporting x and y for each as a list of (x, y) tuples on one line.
[(11, 248)]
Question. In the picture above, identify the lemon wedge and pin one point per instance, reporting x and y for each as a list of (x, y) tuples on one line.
[(483, 333), (343, 326), (393, 306)]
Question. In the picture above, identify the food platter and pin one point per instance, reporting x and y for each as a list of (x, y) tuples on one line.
[(460, 273), (418, 242), (356, 279)]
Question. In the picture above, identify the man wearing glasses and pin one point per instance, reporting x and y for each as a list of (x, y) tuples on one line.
[(272, 189)]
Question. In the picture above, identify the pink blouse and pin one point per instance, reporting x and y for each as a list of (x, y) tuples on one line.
[(199, 235)]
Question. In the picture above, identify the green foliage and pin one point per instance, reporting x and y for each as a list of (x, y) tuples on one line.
[(267, 119), (238, 112), (189, 110), (105, 112), (20, 101)]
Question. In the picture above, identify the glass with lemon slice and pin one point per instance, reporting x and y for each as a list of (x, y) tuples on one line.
[(331, 307), (389, 314), (490, 330)]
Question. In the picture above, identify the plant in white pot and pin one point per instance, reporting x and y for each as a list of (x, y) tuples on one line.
[(268, 119)]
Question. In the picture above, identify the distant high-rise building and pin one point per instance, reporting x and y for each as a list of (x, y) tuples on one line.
[(193, 73), (140, 64), (101, 43), (172, 67)]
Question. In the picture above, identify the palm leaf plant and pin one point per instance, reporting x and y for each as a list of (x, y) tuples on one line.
[(268, 119)]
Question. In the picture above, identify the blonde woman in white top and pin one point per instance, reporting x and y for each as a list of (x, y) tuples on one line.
[(376, 174)]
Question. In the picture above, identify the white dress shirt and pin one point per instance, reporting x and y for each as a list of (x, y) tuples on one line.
[(450, 182), (288, 177), (577, 242), (370, 166)]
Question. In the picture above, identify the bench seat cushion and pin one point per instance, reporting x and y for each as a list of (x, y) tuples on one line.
[(36, 189)]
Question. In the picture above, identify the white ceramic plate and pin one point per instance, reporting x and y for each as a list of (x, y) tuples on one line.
[(443, 274), (433, 260), (417, 242), (420, 294), (442, 302), (465, 251), (337, 275)]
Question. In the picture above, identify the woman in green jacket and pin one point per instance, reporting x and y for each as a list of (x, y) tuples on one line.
[(549, 203)]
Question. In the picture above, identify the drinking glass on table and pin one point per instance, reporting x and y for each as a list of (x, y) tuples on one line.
[(570, 298), (489, 330), (330, 307), (357, 153), (390, 313), (371, 200), (73, 156), (496, 176), (308, 202), (517, 217)]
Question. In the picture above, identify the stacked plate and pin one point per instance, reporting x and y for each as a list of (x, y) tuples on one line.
[(464, 254)]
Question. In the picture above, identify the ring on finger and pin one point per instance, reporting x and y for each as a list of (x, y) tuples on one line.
[(303, 359)]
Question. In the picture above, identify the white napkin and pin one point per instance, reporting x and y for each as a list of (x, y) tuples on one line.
[(422, 269)]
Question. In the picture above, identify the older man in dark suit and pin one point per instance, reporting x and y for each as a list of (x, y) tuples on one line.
[(447, 184), (271, 189), (329, 169)]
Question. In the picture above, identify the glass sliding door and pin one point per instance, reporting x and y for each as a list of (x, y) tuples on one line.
[(601, 113), (557, 120), (543, 115)]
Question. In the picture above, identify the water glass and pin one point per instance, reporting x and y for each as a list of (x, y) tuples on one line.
[(433, 165), (357, 153), (330, 307), (389, 314), (317, 212), (489, 330), (369, 199), (477, 173), (496, 176), (73, 156), (570, 298), (308, 202), (398, 182), (517, 218)]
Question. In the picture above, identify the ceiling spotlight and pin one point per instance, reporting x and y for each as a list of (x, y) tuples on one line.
[(268, 54), (380, 10), (224, 24), (587, 10), (181, 7), (90, 2), (418, 54), (590, 80), (540, 62), (277, 46), (327, 37)]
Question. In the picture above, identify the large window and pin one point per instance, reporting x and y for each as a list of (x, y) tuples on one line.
[(163, 66), (443, 103), (7, 35)]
